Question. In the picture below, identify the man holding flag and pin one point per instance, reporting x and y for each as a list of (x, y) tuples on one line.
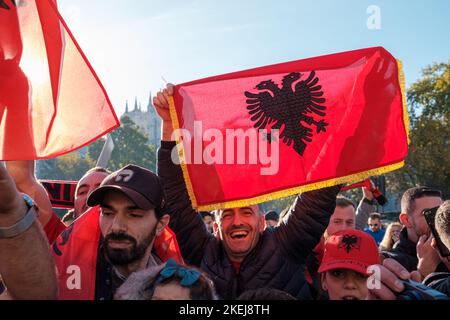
[(244, 256)]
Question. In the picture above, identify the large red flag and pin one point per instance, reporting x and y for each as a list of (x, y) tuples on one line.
[(51, 101), (265, 133)]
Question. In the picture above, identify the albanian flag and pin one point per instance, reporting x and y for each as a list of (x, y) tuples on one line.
[(51, 101), (279, 130)]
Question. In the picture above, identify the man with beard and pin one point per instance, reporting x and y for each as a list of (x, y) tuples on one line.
[(131, 204)]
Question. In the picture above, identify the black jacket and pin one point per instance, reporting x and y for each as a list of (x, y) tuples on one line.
[(277, 261), (439, 281), (405, 252)]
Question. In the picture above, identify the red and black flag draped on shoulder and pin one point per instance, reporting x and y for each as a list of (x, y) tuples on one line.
[(338, 118), (51, 101), (75, 253)]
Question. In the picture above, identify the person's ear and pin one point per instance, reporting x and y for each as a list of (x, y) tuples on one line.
[(262, 223), (162, 223), (434, 244), (323, 281), (216, 230), (404, 219)]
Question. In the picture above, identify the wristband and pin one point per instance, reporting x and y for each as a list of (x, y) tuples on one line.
[(24, 224)]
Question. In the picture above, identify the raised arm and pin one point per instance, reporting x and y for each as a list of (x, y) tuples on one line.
[(189, 228), (365, 208), (22, 172), (301, 229), (26, 265)]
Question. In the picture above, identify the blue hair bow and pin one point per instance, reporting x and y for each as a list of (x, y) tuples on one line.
[(188, 276)]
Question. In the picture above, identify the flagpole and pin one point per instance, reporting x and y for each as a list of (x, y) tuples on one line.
[(105, 155)]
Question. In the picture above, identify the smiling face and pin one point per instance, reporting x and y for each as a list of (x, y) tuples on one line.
[(239, 229), (86, 185), (345, 284)]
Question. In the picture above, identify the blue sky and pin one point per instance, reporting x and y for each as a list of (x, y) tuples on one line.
[(133, 44)]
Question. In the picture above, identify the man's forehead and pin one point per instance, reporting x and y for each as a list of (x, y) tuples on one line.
[(92, 179), (115, 198), (344, 212), (253, 208)]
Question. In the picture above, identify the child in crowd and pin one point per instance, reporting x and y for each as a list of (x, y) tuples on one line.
[(167, 282), (344, 269)]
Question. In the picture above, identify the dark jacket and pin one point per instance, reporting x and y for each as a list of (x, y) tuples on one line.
[(404, 251), (277, 261), (439, 281)]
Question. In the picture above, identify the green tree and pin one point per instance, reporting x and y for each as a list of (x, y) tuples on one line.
[(67, 167), (428, 161), (130, 147)]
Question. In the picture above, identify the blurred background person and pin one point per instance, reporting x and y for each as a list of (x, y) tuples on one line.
[(391, 236), (375, 228), (272, 218), (208, 219)]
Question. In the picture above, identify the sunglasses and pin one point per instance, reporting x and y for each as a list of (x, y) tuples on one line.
[(374, 225)]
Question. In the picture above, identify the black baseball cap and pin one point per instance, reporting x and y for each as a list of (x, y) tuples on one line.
[(142, 186)]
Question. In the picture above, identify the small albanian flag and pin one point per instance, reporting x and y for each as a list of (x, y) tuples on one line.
[(274, 131), (51, 101)]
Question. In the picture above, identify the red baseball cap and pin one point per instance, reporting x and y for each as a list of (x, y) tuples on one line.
[(350, 249)]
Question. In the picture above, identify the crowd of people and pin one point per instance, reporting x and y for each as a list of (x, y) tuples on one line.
[(324, 247)]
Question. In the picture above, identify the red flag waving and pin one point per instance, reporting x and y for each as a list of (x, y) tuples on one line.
[(51, 101), (270, 132)]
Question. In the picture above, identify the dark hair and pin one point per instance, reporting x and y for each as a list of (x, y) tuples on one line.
[(410, 196), (265, 294), (206, 214), (203, 289), (442, 222), (272, 215), (343, 202), (375, 215)]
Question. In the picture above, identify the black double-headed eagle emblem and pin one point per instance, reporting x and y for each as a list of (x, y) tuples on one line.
[(291, 109), (350, 242)]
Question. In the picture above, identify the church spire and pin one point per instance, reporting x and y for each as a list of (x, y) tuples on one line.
[(126, 107), (135, 104), (150, 103)]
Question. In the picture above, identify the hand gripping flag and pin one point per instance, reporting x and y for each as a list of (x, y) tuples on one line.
[(279, 130), (51, 101)]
